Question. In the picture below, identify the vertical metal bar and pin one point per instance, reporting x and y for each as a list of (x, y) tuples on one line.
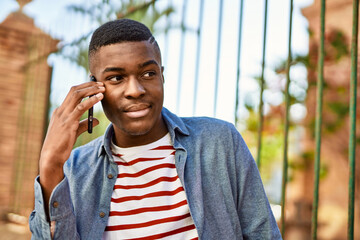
[(352, 140), (320, 83), (181, 59), (166, 37), (261, 114), (218, 55), (198, 45), (238, 61), (287, 123)]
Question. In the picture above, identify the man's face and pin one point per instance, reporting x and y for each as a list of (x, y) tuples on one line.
[(133, 100)]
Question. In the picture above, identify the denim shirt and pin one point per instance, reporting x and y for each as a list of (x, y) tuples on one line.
[(220, 178)]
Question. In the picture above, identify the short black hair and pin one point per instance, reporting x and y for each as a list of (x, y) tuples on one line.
[(120, 30)]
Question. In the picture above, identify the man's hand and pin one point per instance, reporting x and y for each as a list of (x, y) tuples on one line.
[(64, 129)]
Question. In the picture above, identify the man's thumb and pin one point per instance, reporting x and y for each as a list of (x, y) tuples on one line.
[(83, 126)]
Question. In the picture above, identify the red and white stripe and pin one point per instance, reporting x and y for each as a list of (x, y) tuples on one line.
[(148, 200)]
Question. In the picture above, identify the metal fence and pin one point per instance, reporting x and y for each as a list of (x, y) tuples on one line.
[(319, 103)]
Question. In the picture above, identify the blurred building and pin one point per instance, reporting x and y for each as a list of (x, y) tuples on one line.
[(24, 93)]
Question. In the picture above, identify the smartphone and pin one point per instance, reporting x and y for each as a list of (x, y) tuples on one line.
[(91, 111)]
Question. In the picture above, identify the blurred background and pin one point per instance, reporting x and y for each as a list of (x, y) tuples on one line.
[(223, 59)]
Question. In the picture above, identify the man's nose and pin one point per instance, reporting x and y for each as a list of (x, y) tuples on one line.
[(134, 88)]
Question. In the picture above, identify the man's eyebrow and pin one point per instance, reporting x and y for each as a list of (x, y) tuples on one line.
[(113, 69), (119, 69), (147, 63)]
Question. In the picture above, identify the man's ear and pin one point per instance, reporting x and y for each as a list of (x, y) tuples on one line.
[(162, 73)]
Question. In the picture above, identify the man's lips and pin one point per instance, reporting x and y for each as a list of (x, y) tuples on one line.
[(137, 110)]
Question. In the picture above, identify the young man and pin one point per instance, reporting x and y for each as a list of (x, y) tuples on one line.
[(152, 175)]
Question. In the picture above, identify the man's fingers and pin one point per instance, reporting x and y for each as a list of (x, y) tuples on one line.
[(78, 93), (83, 126), (85, 105)]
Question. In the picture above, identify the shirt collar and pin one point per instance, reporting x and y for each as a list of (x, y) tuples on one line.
[(105, 146), (174, 123)]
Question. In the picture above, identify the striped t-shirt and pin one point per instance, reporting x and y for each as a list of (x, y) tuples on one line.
[(148, 201)]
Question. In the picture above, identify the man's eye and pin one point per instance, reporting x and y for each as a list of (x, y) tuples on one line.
[(149, 74), (116, 78)]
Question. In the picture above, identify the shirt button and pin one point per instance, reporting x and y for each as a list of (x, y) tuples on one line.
[(102, 214), (110, 176), (55, 204)]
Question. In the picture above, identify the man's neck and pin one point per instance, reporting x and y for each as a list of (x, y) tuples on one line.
[(123, 139)]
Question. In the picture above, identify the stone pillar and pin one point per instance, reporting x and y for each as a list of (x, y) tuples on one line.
[(24, 99)]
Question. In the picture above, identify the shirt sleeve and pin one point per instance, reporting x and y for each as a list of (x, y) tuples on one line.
[(62, 218), (255, 214)]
